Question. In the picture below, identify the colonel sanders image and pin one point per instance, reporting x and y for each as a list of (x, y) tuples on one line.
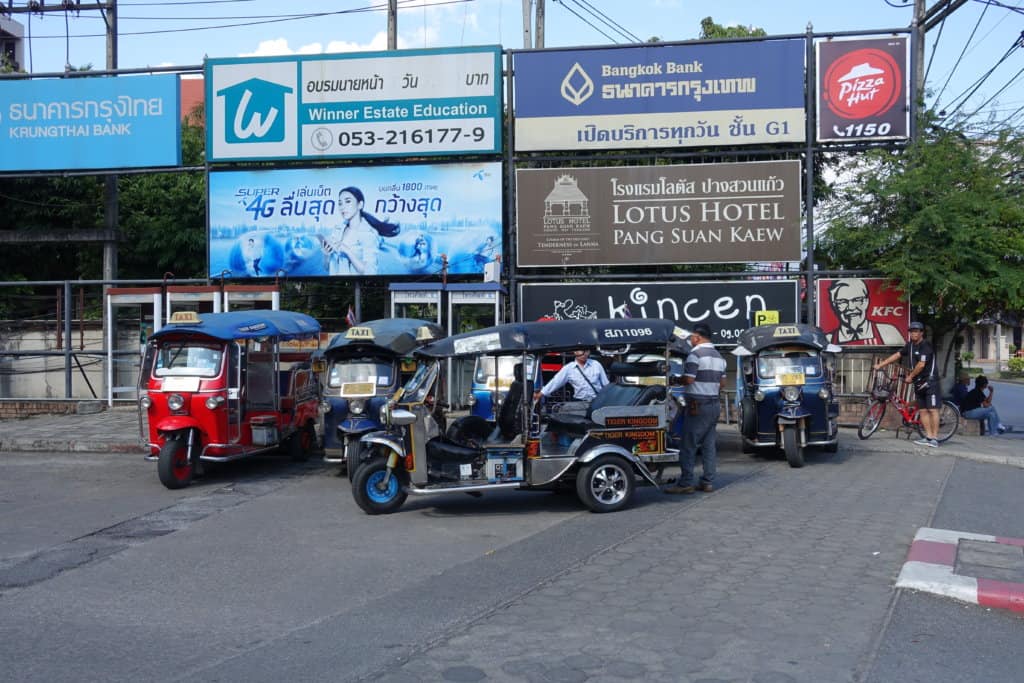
[(850, 301)]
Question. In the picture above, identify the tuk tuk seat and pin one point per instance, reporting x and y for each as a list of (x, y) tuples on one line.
[(610, 395)]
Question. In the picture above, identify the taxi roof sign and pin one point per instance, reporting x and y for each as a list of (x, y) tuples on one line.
[(786, 331), (424, 334), (185, 318), (360, 333)]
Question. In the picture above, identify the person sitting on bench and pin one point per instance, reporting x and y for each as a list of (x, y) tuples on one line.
[(977, 405)]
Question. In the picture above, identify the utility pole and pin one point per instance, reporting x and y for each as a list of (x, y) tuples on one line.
[(538, 25), (392, 24), (526, 25), (111, 211)]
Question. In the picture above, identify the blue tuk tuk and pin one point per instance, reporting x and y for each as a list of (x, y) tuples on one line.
[(361, 368), (784, 391)]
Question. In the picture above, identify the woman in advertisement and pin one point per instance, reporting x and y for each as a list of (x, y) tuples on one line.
[(353, 247)]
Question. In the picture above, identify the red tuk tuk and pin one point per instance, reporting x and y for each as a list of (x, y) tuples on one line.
[(222, 386)]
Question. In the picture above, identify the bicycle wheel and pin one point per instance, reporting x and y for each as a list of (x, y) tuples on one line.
[(949, 421), (869, 423)]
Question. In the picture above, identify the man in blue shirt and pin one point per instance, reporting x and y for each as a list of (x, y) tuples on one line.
[(585, 375), (703, 379)]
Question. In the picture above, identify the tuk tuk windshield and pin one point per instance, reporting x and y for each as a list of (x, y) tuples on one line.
[(188, 359), (420, 384), (363, 370), (778, 362)]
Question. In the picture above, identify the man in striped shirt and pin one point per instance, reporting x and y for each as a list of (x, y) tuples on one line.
[(703, 377)]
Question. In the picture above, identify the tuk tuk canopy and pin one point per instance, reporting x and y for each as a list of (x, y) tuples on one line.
[(560, 335), (396, 335), (252, 324), (756, 339)]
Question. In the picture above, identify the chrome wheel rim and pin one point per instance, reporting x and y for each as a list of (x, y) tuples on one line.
[(608, 484)]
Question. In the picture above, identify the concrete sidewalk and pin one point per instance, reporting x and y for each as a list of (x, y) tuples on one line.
[(117, 431)]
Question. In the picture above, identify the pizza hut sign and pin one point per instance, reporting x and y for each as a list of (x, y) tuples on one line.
[(862, 90)]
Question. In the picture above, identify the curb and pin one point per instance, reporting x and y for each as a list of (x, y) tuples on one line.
[(66, 446), (930, 568)]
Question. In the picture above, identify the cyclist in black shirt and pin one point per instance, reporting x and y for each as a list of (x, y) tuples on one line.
[(919, 356)]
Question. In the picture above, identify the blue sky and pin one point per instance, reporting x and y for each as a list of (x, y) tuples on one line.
[(152, 32)]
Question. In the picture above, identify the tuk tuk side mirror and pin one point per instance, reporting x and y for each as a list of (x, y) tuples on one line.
[(319, 366)]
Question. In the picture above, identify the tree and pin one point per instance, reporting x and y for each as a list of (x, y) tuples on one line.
[(709, 30), (944, 217)]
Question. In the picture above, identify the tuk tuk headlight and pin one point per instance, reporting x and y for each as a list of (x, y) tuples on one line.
[(385, 413), (175, 402), (791, 393), (471, 400), (357, 406), (325, 407), (213, 402), (758, 395), (145, 402), (824, 394)]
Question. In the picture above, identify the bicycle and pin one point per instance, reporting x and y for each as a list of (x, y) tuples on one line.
[(890, 388)]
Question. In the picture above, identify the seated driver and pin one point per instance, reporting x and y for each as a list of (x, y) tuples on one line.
[(585, 375)]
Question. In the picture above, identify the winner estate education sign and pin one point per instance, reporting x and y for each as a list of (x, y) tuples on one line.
[(639, 215)]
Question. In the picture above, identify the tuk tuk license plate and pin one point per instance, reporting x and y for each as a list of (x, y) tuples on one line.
[(789, 378)]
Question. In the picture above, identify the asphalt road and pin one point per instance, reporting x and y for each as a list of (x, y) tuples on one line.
[(267, 571)]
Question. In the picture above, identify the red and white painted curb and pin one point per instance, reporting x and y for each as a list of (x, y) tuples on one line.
[(930, 563)]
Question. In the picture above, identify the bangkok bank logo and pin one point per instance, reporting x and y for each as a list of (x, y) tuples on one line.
[(577, 87), (254, 111), (862, 83)]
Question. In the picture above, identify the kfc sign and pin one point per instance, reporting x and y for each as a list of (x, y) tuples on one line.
[(862, 312), (863, 92)]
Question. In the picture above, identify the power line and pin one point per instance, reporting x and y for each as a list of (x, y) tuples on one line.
[(586, 21), (958, 59), (608, 21)]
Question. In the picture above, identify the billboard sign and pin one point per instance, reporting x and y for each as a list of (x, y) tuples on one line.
[(351, 221), (90, 122), (370, 104), (863, 312), (863, 90), (694, 95), (727, 307), (643, 215)]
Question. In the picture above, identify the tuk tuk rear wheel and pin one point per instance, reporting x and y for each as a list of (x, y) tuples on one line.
[(370, 492), (791, 445), (606, 484), (173, 464), (302, 443)]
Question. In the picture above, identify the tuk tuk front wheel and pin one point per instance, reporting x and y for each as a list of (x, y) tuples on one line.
[(372, 494), (173, 464), (791, 445), (606, 484)]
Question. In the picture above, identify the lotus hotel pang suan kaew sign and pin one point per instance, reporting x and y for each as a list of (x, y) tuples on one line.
[(370, 104), (641, 215), (689, 95), (863, 91), (726, 307), (355, 221), (87, 122)]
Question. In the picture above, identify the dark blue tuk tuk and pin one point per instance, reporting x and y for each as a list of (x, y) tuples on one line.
[(784, 390), (361, 368)]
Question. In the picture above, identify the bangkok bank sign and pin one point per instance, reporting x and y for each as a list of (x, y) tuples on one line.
[(862, 90)]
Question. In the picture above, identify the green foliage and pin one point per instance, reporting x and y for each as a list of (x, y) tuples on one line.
[(944, 217), (709, 30), (1016, 365), (967, 357)]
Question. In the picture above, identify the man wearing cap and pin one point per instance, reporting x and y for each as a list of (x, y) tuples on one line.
[(919, 356), (703, 379)]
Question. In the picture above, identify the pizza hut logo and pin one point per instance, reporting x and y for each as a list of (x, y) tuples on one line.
[(862, 84)]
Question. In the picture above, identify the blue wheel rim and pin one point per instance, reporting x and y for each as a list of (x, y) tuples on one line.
[(375, 494)]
